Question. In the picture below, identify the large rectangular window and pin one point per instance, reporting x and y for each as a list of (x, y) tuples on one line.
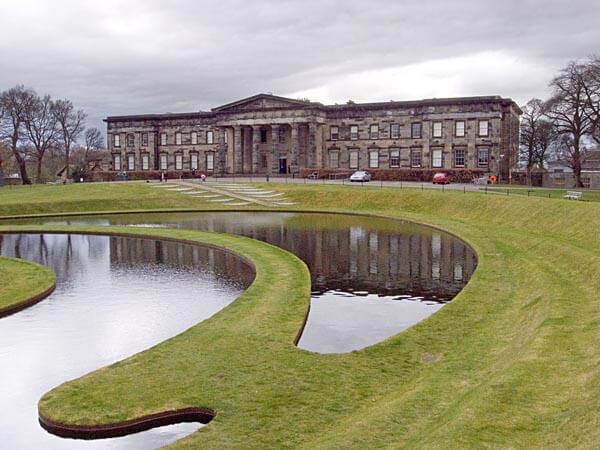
[(374, 131), (210, 161), (130, 140), (334, 158), (117, 140), (178, 139), (395, 157), (354, 159), (194, 138), (459, 157), (178, 161), (436, 131), (334, 133), (263, 136), (210, 137), (484, 128), (145, 161), (144, 139), (436, 158), (163, 138), (459, 128), (353, 132), (395, 130), (164, 162), (415, 158), (374, 159), (117, 162), (483, 156), (130, 161), (415, 130), (194, 161)]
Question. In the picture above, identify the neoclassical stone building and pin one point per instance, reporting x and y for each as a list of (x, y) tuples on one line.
[(266, 134)]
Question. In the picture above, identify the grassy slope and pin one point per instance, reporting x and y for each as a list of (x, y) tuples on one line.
[(518, 366), (588, 195), (21, 280)]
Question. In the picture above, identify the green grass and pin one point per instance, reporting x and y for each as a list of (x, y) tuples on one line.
[(588, 194), (517, 358), (21, 280)]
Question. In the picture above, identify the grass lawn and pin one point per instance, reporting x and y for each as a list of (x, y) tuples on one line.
[(588, 195), (512, 362), (21, 280)]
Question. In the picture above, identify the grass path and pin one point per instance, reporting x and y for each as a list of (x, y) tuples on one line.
[(512, 362), (20, 281)]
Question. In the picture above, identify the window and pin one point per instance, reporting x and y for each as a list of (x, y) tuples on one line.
[(194, 161), (117, 162), (281, 135), (587, 182), (437, 130), (436, 158), (354, 159), (395, 157), (210, 137), (334, 159), (164, 163), (395, 130), (415, 130), (130, 162), (225, 134), (334, 133), (483, 157), (144, 139), (484, 128), (374, 131), (163, 138), (415, 158), (374, 159), (459, 128), (459, 157), (194, 138), (145, 161), (178, 161), (177, 138), (117, 140), (210, 161), (263, 136), (353, 132), (130, 140)]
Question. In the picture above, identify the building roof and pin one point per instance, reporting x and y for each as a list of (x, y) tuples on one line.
[(270, 101)]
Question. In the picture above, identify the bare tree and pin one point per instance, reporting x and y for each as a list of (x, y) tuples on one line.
[(40, 123), (571, 114), (13, 106), (592, 93), (533, 113), (545, 141), (93, 140), (71, 124)]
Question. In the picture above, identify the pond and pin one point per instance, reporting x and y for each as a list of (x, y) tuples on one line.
[(371, 277), (114, 297)]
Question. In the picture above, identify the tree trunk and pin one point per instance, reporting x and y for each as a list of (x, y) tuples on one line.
[(528, 175), (38, 175), (67, 154), (21, 162)]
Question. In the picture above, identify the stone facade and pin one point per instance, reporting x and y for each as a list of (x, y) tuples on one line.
[(265, 134)]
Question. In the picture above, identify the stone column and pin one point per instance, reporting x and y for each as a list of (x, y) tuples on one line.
[(255, 144), (273, 162), (221, 151), (295, 146), (237, 150), (312, 144)]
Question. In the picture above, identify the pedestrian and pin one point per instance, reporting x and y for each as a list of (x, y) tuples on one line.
[(203, 177)]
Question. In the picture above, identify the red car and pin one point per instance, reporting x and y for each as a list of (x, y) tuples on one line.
[(441, 178)]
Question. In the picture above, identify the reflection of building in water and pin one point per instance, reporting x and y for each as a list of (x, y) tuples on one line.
[(125, 250)]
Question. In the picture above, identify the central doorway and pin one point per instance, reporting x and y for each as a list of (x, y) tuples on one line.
[(282, 164)]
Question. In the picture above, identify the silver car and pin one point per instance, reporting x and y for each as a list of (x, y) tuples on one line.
[(360, 175)]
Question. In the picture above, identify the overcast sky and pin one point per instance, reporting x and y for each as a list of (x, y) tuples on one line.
[(113, 57)]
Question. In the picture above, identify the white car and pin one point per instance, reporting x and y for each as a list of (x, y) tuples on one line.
[(360, 175)]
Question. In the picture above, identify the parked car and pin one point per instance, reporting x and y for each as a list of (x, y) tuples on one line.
[(360, 175), (482, 181), (441, 178), (313, 176)]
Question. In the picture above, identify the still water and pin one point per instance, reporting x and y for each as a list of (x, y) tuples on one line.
[(371, 277), (114, 297)]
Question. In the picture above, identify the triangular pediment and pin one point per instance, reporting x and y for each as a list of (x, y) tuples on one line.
[(261, 102)]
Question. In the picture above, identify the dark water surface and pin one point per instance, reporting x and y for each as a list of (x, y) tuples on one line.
[(114, 297), (371, 277)]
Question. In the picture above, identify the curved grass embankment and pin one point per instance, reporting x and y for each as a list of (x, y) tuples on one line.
[(23, 284), (512, 362)]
